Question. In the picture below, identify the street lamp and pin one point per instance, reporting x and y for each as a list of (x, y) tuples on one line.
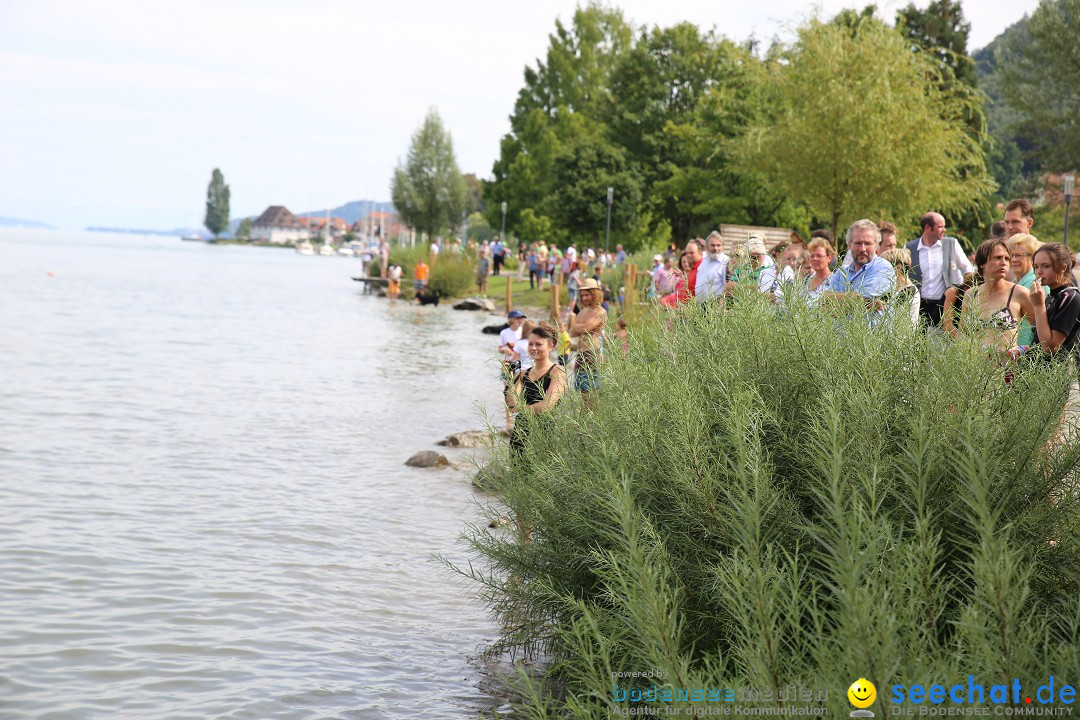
[(607, 238), (1070, 180), (502, 235)]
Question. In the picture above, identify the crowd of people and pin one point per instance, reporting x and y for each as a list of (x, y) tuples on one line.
[(1017, 295), (545, 263)]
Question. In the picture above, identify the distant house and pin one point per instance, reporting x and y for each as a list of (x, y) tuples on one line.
[(384, 223), (332, 230), (278, 225)]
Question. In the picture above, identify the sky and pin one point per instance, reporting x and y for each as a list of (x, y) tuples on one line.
[(116, 112)]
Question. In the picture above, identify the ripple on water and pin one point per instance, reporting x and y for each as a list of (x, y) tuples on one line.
[(211, 517)]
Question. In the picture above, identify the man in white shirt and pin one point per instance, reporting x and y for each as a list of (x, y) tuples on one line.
[(712, 272), (937, 262)]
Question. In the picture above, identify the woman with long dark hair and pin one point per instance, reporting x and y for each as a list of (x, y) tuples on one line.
[(537, 389), (681, 294), (1057, 318)]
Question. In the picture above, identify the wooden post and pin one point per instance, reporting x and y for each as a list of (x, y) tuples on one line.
[(509, 294), (555, 302)]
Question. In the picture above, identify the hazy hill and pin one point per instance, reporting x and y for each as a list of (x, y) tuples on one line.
[(350, 212), (16, 222)]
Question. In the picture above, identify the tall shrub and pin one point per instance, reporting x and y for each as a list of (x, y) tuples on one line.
[(453, 275), (763, 498)]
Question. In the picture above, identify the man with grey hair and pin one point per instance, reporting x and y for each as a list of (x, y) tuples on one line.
[(712, 271), (869, 277), (937, 263)]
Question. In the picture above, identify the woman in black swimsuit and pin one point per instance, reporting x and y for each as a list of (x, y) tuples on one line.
[(539, 388)]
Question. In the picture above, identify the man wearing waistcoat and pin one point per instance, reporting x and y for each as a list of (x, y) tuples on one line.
[(937, 262)]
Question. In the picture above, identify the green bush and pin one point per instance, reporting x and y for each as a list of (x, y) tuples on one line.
[(760, 499), (453, 275)]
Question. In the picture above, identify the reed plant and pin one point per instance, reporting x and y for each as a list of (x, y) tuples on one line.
[(760, 498)]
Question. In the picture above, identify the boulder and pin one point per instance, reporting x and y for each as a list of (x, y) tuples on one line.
[(494, 329), (427, 459), (475, 303), (467, 439)]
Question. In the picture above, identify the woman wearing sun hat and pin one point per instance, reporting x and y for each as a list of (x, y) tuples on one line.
[(588, 333)]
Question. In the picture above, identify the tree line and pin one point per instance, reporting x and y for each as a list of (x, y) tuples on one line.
[(853, 117)]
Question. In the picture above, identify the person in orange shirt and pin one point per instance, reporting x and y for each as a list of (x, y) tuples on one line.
[(420, 275)]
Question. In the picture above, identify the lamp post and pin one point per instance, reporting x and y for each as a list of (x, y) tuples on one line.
[(607, 237), (1070, 180), (464, 228), (502, 235)]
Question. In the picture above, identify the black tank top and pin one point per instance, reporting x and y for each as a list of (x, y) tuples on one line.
[(535, 390)]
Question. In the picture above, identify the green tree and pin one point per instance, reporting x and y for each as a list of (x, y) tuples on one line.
[(583, 173), (657, 91), (863, 127), (217, 204), (941, 31), (474, 199), (536, 228), (479, 229), (428, 190), (565, 95), (1013, 167), (1040, 79), (243, 232)]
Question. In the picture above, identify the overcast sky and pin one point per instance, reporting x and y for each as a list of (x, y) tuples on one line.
[(115, 111)]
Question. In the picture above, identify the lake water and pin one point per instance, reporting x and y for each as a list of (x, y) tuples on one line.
[(205, 510)]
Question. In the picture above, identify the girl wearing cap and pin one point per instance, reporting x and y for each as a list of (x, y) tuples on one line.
[(588, 332)]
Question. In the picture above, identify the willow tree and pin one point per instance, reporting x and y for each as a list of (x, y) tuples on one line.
[(864, 127)]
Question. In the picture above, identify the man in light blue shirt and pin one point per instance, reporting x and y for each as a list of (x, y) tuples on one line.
[(869, 277)]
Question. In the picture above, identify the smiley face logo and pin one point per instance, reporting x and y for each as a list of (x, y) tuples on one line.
[(862, 693)]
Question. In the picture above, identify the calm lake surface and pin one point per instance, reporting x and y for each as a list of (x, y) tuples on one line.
[(205, 510)]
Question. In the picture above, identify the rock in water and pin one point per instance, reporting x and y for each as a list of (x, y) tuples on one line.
[(467, 439), (427, 459), (475, 303), (494, 329)]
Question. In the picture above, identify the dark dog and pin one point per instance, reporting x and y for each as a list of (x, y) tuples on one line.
[(427, 298)]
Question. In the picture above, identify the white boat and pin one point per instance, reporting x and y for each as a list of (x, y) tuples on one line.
[(305, 248), (327, 249)]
